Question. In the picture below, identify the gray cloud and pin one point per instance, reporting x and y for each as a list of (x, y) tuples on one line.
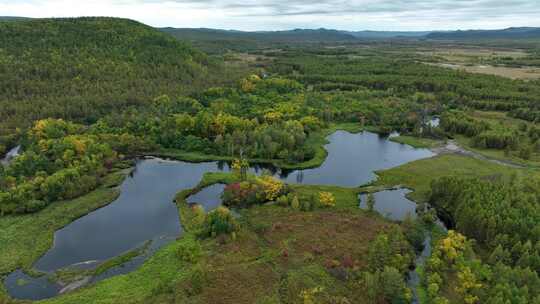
[(349, 14)]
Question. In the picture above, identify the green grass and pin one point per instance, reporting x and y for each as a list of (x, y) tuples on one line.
[(25, 238), (121, 259), (499, 154), (252, 266), (21, 234), (346, 198), (419, 174), (316, 140), (210, 178), (417, 142), (160, 271)]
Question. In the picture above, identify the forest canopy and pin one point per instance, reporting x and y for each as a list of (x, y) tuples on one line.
[(80, 69)]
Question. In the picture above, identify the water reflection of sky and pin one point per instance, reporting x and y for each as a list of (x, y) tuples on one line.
[(145, 209), (392, 204)]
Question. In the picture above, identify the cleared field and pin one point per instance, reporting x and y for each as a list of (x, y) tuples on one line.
[(509, 72), (490, 61), (465, 55)]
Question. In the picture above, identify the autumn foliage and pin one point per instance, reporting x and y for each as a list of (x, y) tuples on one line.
[(256, 191)]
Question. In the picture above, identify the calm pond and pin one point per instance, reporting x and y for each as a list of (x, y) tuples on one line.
[(392, 204), (353, 158), (145, 210)]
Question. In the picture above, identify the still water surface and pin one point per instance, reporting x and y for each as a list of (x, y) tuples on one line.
[(393, 204), (145, 209), (10, 155), (353, 158), (209, 197)]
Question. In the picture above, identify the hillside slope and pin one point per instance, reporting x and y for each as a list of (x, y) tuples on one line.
[(216, 41), (82, 68), (13, 18)]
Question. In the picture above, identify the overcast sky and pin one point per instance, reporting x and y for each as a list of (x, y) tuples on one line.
[(288, 14)]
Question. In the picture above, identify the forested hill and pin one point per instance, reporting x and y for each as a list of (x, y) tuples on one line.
[(82, 68), (12, 18), (509, 33), (217, 41)]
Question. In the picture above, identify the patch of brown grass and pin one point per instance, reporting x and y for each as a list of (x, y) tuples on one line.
[(240, 283), (326, 235), (277, 241)]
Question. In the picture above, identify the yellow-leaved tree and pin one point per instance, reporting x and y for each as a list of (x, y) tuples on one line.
[(272, 187), (327, 199)]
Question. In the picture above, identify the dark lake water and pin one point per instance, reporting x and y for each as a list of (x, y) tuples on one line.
[(353, 158), (21, 286), (145, 209), (209, 197), (392, 204)]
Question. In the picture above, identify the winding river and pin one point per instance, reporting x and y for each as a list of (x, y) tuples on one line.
[(145, 211), (10, 155)]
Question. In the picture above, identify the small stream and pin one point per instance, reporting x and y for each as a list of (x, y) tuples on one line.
[(394, 205), (10, 155), (145, 210)]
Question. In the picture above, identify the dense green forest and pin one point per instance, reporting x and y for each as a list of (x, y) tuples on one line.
[(80, 69), (402, 77), (84, 97), (219, 41), (271, 118), (502, 216)]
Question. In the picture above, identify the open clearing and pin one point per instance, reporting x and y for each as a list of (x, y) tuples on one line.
[(509, 72), (465, 55)]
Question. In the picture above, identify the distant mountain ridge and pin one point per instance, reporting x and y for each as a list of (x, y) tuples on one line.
[(296, 35), (329, 35), (388, 34), (332, 35), (508, 33), (13, 18)]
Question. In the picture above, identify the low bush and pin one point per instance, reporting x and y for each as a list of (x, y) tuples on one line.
[(283, 201), (197, 281), (295, 204), (219, 221), (189, 250), (327, 199)]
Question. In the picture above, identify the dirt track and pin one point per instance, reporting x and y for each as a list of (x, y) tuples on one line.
[(451, 147)]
